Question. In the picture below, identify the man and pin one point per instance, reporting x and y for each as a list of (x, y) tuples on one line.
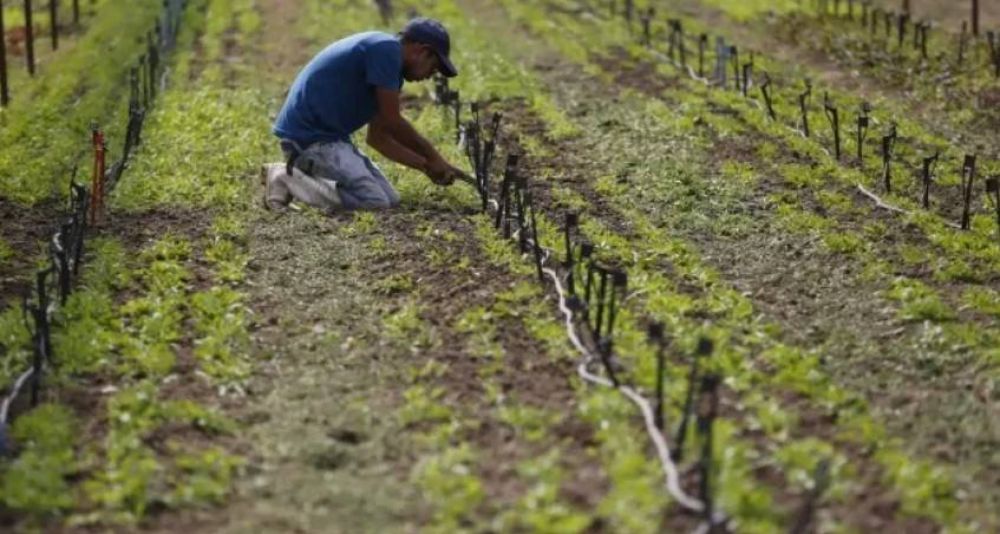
[(352, 83)]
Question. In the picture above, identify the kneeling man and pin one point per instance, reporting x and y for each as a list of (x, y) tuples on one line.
[(352, 83)]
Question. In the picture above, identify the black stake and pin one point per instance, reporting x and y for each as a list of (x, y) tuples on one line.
[(993, 193), (646, 17), (681, 45), (888, 143), (928, 177), (619, 281), (508, 175), (705, 348), (655, 332), (536, 246), (994, 41), (54, 22), (968, 178), (707, 413), (522, 231), (901, 22), (975, 17), (702, 44), (588, 292), (833, 115), (602, 295), (572, 219), (747, 77), (673, 24), (765, 90), (804, 106), (864, 121), (606, 349), (821, 481), (29, 37), (734, 54), (962, 38)]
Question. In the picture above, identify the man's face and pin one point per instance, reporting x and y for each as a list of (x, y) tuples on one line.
[(422, 64)]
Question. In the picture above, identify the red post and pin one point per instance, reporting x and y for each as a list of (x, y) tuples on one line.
[(97, 182)]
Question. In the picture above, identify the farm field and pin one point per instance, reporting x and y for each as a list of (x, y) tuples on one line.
[(728, 266)]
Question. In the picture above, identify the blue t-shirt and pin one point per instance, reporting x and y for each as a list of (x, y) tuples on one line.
[(334, 95)]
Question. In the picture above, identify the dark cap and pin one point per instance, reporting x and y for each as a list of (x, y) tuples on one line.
[(432, 33)]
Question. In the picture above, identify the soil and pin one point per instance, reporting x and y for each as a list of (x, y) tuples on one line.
[(26, 230)]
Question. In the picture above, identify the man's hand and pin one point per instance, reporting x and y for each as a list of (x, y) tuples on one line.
[(438, 170), (443, 173)]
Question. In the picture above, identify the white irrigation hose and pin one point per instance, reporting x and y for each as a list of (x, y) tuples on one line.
[(14, 392), (663, 450), (879, 203), (670, 469)]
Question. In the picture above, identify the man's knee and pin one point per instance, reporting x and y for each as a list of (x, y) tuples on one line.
[(385, 203), (393, 199)]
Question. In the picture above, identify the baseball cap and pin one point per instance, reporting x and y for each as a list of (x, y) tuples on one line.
[(432, 33)]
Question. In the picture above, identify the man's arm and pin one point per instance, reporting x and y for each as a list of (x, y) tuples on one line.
[(386, 145), (389, 122)]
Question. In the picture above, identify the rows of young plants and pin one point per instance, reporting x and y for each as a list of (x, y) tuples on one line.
[(17, 65), (975, 251), (151, 341), (898, 48), (930, 499), (45, 130), (949, 98), (456, 493), (175, 312), (542, 20), (963, 259), (733, 488)]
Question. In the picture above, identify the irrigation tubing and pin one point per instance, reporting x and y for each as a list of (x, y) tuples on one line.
[(14, 392), (670, 469), (879, 202)]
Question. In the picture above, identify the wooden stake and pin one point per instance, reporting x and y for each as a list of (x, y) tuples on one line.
[(29, 37), (975, 18), (54, 22), (4, 89)]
